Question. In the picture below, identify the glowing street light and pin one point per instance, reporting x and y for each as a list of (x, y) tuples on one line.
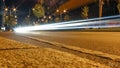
[(6, 9), (50, 17), (44, 16), (57, 10), (64, 11), (14, 9), (15, 16), (42, 20)]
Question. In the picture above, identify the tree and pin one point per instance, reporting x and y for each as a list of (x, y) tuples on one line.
[(38, 10), (118, 6), (10, 22), (67, 17), (85, 11), (57, 19)]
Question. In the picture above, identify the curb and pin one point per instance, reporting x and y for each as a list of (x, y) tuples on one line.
[(96, 53)]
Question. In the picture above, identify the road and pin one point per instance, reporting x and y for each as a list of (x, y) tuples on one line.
[(105, 42)]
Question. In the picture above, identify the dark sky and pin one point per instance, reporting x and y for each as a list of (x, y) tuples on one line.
[(22, 6), (25, 3)]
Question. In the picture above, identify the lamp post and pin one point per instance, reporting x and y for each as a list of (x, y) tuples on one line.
[(28, 17), (11, 11), (118, 6), (10, 18), (3, 14), (101, 2)]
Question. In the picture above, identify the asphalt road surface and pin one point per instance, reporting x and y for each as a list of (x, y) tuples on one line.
[(105, 42)]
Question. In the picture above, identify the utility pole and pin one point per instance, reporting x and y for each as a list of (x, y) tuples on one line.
[(118, 6), (3, 12), (101, 3), (29, 15)]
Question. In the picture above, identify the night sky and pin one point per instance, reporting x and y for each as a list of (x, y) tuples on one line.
[(22, 6)]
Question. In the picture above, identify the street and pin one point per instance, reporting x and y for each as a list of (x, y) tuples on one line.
[(107, 43), (59, 34)]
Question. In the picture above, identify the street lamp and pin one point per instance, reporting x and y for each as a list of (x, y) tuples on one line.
[(50, 17), (11, 12), (44, 16), (6, 9), (57, 10), (42, 20), (101, 3), (64, 11), (14, 9), (15, 16)]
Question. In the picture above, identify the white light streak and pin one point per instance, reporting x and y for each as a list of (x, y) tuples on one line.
[(89, 23)]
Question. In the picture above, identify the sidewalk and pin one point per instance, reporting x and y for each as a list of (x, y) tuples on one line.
[(19, 55)]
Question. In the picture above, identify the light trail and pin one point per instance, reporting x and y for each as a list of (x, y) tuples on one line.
[(86, 20), (72, 25), (49, 27)]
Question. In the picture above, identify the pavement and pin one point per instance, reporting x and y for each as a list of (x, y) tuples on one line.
[(106, 42), (100, 47), (15, 54)]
